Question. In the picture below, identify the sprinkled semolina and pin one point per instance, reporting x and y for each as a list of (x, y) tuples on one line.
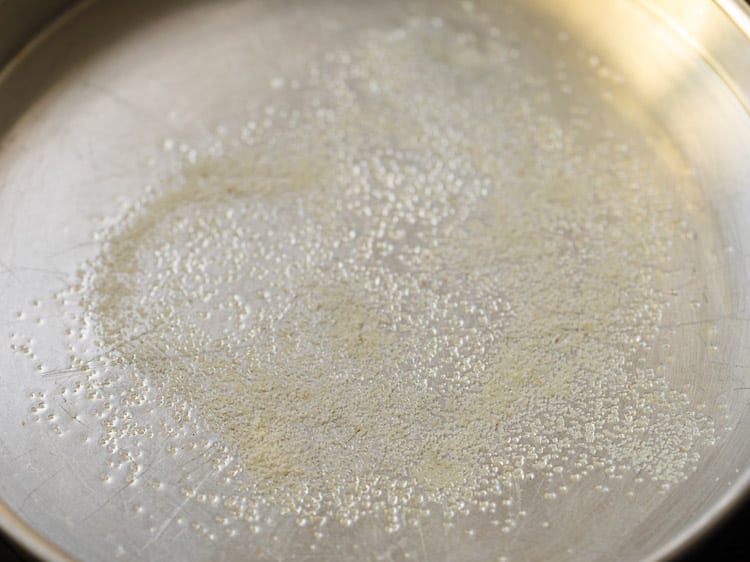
[(413, 289)]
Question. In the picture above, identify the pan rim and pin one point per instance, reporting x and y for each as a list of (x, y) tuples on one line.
[(28, 538)]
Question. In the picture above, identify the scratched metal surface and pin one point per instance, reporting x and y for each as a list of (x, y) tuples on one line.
[(81, 116)]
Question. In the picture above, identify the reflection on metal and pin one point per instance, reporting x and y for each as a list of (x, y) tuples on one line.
[(705, 28), (739, 12)]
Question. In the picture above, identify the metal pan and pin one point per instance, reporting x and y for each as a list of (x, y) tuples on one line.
[(390, 281)]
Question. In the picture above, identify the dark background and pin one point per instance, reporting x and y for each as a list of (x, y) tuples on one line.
[(727, 543)]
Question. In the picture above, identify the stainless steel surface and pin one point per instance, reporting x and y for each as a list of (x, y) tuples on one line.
[(23, 20), (83, 119)]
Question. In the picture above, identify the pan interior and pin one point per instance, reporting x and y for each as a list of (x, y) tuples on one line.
[(325, 280)]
